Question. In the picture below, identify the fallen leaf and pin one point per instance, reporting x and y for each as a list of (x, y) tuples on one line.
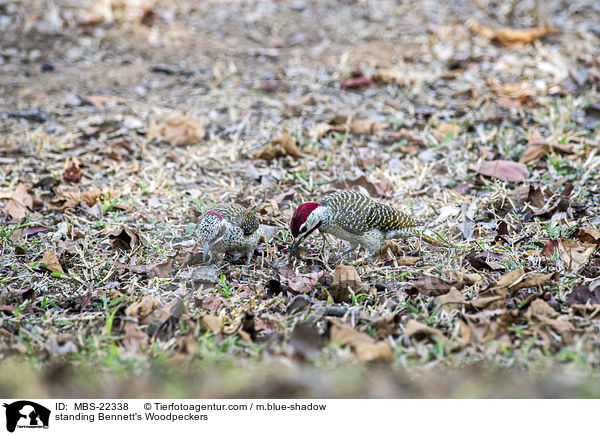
[(344, 279), (285, 195), (72, 199), (343, 123), (124, 239), (453, 300), (467, 278), (304, 283), (419, 331), (159, 316), (379, 188), (20, 203), (486, 260), (509, 37), (30, 231), (447, 128), (550, 248), (210, 322), (134, 336), (72, 173), (432, 286), (305, 340), (51, 261), (149, 16), (509, 103), (510, 278), (298, 303), (388, 76), (531, 279), (505, 170), (585, 234), (364, 346), (142, 308), (538, 147), (582, 294), (285, 145), (592, 269), (161, 270), (177, 130), (355, 82), (540, 311), (575, 254), (539, 308), (101, 100)]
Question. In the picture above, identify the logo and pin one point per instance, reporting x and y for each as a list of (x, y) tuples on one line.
[(26, 414)]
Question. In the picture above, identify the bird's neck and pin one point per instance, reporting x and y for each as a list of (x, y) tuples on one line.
[(323, 214)]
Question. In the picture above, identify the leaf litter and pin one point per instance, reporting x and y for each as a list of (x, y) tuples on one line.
[(483, 130)]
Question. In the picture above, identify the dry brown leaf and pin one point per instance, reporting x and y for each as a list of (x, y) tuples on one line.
[(505, 170), (466, 334), (467, 278), (177, 130), (575, 254), (134, 336), (381, 187), (72, 199), (344, 279), (343, 123), (447, 128), (531, 279), (51, 260), (453, 300), (488, 302), (589, 235), (20, 203), (142, 308), (285, 145), (365, 126), (210, 322), (593, 311), (419, 331), (364, 346), (540, 311), (509, 36), (388, 75), (538, 147), (124, 239), (157, 317), (520, 91), (355, 82), (305, 340), (540, 308), (101, 100), (510, 278), (432, 286)]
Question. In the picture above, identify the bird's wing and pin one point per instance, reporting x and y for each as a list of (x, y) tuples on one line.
[(238, 215), (357, 213)]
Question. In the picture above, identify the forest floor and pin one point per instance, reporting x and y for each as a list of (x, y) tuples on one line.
[(121, 121)]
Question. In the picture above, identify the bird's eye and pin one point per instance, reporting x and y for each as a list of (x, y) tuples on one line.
[(303, 229)]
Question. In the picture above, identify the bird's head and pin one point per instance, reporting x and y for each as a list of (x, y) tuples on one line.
[(304, 222), (210, 229)]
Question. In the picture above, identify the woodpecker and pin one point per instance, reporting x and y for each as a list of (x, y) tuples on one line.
[(226, 228), (356, 218)]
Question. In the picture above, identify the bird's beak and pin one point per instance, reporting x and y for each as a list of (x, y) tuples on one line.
[(301, 238), (206, 251), (295, 246)]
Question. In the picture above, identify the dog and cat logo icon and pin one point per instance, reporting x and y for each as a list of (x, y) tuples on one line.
[(25, 414)]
